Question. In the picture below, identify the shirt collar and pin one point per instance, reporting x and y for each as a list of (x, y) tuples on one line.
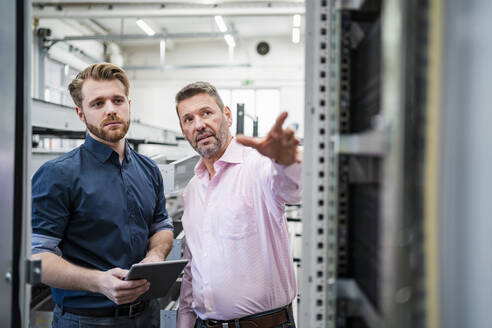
[(233, 154), (102, 151)]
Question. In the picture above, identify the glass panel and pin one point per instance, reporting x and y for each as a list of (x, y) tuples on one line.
[(267, 109)]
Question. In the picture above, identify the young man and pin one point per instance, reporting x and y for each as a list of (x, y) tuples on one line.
[(102, 205), (240, 272)]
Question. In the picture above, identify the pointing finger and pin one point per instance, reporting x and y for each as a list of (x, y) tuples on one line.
[(279, 122), (248, 141)]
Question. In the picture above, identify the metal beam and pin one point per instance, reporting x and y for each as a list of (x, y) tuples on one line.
[(367, 143), (159, 36), (359, 304), (177, 67), (159, 2), (82, 13)]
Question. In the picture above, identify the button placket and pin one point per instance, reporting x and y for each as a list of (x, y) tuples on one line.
[(207, 223)]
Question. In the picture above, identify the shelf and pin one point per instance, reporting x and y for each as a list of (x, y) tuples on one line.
[(359, 304)]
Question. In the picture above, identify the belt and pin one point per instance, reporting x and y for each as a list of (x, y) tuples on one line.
[(266, 320), (131, 310)]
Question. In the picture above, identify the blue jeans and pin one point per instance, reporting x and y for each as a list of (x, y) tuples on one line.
[(291, 324), (149, 318)]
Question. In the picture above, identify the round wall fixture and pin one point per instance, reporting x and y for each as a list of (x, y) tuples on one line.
[(262, 48)]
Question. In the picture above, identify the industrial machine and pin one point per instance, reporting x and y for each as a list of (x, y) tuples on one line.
[(387, 175)]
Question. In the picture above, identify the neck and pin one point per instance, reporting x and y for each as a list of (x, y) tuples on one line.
[(209, 162), (117, 146)]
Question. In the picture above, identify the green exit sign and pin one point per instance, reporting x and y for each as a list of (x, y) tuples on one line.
[(245, 83)]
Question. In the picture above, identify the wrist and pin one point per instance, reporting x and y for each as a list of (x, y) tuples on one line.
[(95, 281), (155, 256)]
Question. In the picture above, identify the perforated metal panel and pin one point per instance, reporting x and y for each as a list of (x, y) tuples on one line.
[(320, 231)]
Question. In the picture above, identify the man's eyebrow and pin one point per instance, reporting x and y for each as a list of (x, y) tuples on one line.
[(96, 99)]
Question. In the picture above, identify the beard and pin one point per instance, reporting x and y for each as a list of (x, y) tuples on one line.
[(111, 134), (211, 149)]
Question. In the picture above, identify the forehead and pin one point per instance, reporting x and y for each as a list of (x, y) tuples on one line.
[(92, 89), (195, 103)]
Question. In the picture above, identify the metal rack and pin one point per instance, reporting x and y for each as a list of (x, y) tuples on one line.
[(363, 264)]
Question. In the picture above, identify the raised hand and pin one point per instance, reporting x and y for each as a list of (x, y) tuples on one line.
[(280, 144)]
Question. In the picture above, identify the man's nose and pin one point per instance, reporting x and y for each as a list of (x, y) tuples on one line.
[(109, 107), (199, 124)]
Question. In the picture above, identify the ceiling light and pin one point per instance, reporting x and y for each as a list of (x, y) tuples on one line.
[(162, 51), (145, 27), (296, 21), (220, 24), (231, 53), (230, 40), (296, 35)]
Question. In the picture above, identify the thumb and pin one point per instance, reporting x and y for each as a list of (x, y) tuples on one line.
[(118, 272), (248, 141)]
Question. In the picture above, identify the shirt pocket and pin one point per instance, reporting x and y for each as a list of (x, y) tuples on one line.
[(237, 220)]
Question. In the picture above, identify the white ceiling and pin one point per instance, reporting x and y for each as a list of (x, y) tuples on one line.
[(250, 19)]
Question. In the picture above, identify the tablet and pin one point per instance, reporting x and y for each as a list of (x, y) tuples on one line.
[(161, 276)]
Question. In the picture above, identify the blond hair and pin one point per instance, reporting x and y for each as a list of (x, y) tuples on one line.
[(97, 72)]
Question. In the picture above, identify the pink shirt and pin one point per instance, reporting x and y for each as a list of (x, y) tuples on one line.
[(237, 238)]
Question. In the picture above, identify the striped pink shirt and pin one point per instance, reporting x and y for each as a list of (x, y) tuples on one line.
[(237, 238)]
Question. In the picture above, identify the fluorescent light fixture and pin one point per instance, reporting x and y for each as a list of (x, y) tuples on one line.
[(220, 24), (231, 53), (230, 40), (163, 51), (296, 35), (145, 27), (296, 21)]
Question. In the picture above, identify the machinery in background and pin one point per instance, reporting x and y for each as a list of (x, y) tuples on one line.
[(241, 116), (395, 172)]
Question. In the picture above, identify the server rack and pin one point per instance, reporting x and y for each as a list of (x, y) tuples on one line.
[(363, 263)]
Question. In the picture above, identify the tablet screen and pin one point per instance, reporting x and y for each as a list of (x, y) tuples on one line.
[(161, 276)]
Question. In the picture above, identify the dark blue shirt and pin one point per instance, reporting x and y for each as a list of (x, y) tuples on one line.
[(98, 212)]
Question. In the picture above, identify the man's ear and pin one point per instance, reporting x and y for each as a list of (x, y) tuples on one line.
[(228, 114), (80, 114)]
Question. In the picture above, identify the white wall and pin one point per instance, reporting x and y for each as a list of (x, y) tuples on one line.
[(153, 91)]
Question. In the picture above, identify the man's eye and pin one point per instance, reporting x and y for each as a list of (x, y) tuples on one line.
[(187, 120), (118, 101), (97, 104)]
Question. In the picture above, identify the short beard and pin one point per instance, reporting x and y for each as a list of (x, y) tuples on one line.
[(212, 150), (111, 135)]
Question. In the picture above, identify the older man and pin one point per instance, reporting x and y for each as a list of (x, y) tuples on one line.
[(240, 272)]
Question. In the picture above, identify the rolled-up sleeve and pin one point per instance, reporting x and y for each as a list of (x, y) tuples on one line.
[(50, 207), (161, 221)]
